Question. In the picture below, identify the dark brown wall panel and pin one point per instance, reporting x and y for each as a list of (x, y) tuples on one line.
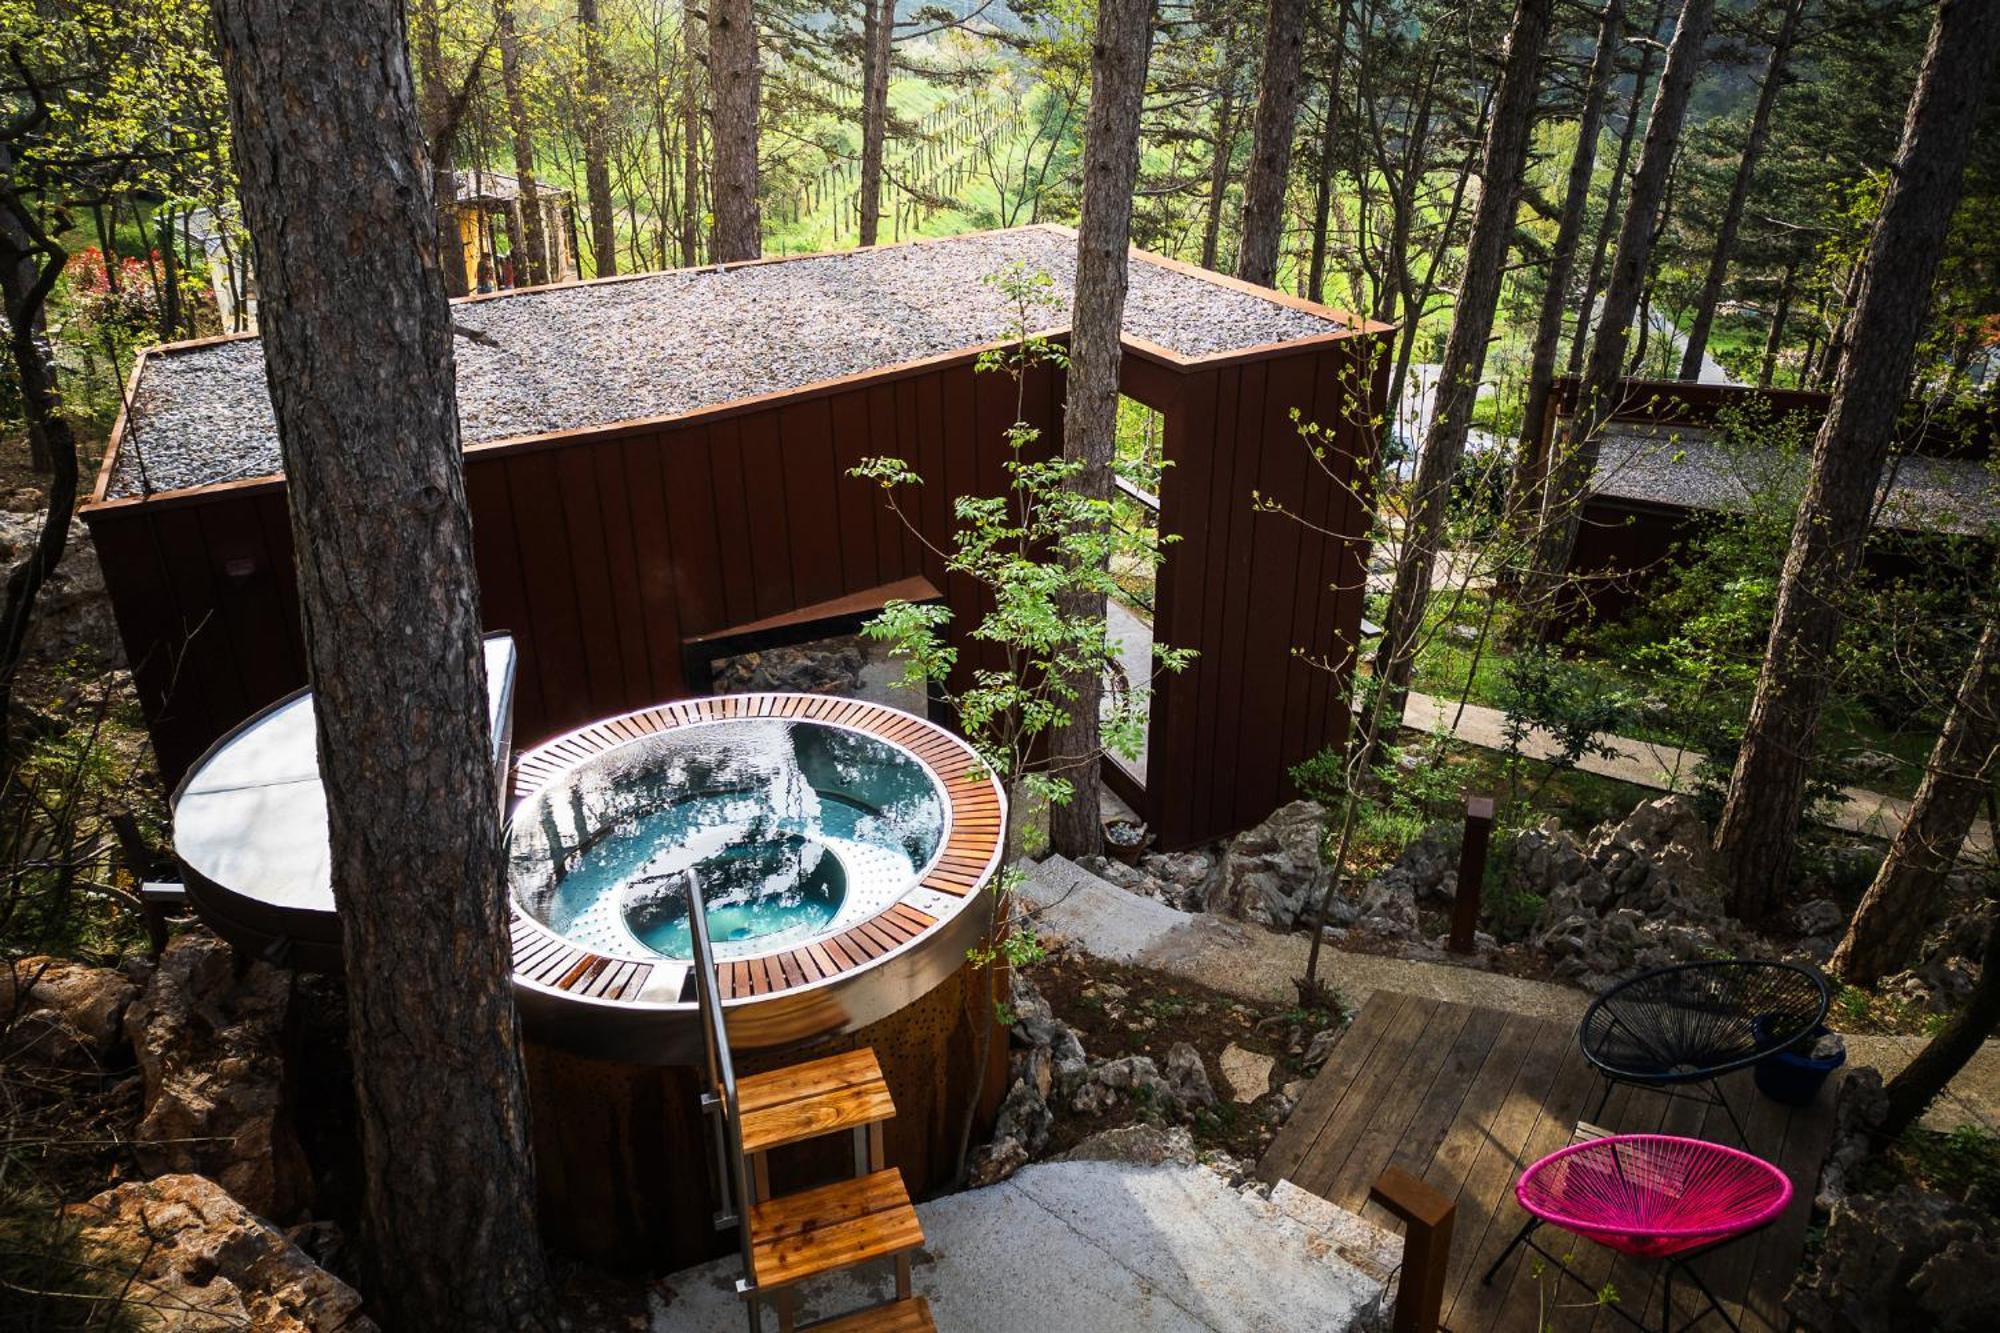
[(604, 554)]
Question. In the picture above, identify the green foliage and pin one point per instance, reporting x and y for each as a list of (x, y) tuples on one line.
[(1038, 553), (1573, 705)]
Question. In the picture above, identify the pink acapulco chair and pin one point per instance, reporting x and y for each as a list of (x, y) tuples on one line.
[(1652, 1196)]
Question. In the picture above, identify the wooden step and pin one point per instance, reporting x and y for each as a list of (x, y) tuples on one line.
[(797, 1236), (905, 1316), (804, 1101)]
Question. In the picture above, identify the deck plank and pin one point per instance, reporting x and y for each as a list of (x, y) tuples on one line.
[(1466, 1099)]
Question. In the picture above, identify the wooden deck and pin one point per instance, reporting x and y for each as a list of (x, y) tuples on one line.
[(1466, 1098)]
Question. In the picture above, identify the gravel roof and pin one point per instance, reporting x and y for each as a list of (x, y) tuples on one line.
[(591, 354), (1693, 468)]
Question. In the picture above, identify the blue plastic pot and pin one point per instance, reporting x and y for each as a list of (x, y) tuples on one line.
[(1791, 1077)]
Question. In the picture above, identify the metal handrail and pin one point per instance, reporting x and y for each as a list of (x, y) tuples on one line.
[(718, 1098)]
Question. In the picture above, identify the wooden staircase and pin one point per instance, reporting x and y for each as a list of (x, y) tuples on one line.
[(791, 1238)]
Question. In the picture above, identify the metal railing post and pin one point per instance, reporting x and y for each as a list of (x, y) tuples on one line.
[(718, 1098)]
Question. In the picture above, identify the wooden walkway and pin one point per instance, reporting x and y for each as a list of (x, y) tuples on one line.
[(1465, 1098)]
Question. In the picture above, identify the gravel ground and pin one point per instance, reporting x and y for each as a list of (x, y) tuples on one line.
[(1691, 467), (592, 354)]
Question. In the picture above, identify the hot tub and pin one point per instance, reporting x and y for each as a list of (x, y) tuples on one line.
[(842, 848)]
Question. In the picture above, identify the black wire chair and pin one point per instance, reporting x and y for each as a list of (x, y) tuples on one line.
[(1688, 1025)]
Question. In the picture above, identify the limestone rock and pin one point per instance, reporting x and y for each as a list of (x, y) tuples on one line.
[(1320, 1048), (1188, 1077), (1904, 1260), (1246, 1073), (64, 1014), (204, 1261), (210, 1045), (991, 1163), (831, 667), (1141, 1144), (1271, 873), (1640, 895), (73, 610)]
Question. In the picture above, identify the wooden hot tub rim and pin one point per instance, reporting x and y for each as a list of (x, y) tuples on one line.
[(970, 848)]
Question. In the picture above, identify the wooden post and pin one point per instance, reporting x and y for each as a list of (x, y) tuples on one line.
[(1471, 871), (1427, 1217)]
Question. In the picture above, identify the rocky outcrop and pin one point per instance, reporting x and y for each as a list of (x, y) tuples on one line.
[(1908, 1259), (1047, 1065), (1178, 879), (1272, 873), (1640, 895), (73, 610), (209, 1043), (201, 1261), (1947, 967), (62, 1014), (830, 667)]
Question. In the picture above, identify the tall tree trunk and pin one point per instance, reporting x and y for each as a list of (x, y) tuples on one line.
[(878, 31), (1593, 283), (1739, 192), (691, 200), (1123, 44), (533, 235), (1574, 457), (1524, 490), (1912, 1091), (1774, 339), (1225, 148), (1271, 143), (30, 263), (1508, 129), (358, 355), (1328, 142), (1757, 835), (440, 129), (597, 141), (1896, 910), (735, 83)]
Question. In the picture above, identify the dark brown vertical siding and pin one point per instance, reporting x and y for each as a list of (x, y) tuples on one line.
[(1173, 765), (806, 439), (503, 594), (604, 554)]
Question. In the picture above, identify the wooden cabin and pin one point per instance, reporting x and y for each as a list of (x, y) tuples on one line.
[(658, 463)]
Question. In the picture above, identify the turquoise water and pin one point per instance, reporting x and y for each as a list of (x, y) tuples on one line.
[(759, 810)]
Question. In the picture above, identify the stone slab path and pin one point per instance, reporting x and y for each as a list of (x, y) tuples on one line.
[(1661, 767), (1088, 1245), (1252, 963)]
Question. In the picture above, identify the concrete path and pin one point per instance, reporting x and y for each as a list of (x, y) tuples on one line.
[(1258, 965), (1086, 1246), (1661, 767)]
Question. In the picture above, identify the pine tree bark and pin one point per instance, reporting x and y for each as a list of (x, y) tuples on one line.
[(1896, 910), (1757, 835), (1328, 142), (1119, 53), (1574, 458), (597, 142), (735, 80), (691, 200), (1774, 338), (1524, 487), (1271, 143), (878, 30), (440, 129), (1696, 346), (1911, 1092), (1600, 249), (534, 238), (357, 342), (1508, 129), (1225, 149)]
